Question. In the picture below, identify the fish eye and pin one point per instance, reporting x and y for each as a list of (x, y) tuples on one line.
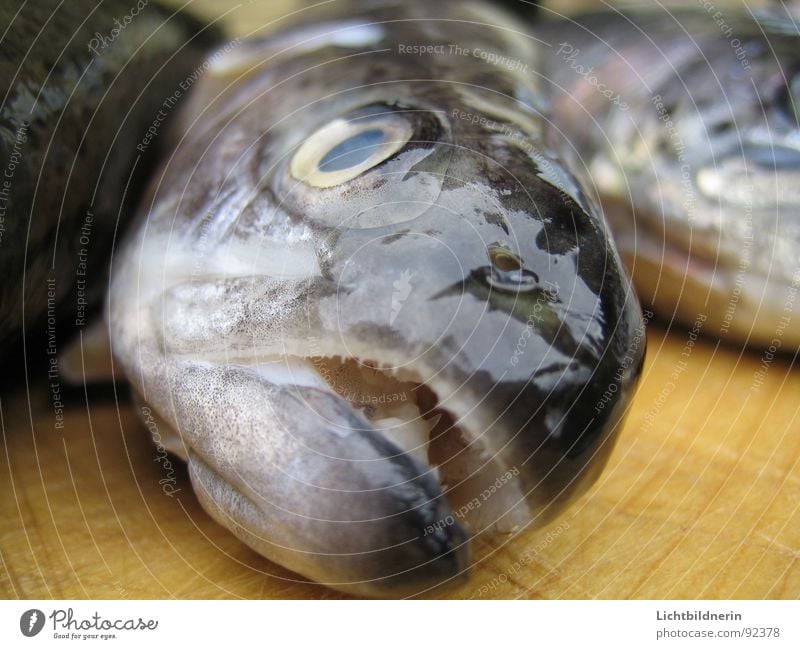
[(344, 170), (344, 149)]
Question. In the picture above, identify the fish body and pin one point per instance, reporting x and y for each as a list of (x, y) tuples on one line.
[(685, 125), (80, 89), (367, 302)]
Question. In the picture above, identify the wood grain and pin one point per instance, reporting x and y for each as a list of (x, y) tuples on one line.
[(700, 499)]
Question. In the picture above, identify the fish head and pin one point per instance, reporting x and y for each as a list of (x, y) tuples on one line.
[(698, 172), (433, 309), (743, 130)]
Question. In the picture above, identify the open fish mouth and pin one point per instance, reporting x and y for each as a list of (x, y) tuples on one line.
[(383, 487), (400, 405), (364, 504)]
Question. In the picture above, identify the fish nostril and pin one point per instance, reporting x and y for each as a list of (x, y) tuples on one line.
[(503, 259), (772, 157), (507, 271)]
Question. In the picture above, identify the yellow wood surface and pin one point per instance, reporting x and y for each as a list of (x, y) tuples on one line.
[(700, 499)]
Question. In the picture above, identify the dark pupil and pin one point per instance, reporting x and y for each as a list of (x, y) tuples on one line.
[(352, 151)]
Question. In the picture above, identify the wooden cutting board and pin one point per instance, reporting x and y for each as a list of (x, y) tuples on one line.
[(700, 499)]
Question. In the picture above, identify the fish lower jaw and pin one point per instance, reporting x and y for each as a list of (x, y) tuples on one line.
[(427, 419)]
